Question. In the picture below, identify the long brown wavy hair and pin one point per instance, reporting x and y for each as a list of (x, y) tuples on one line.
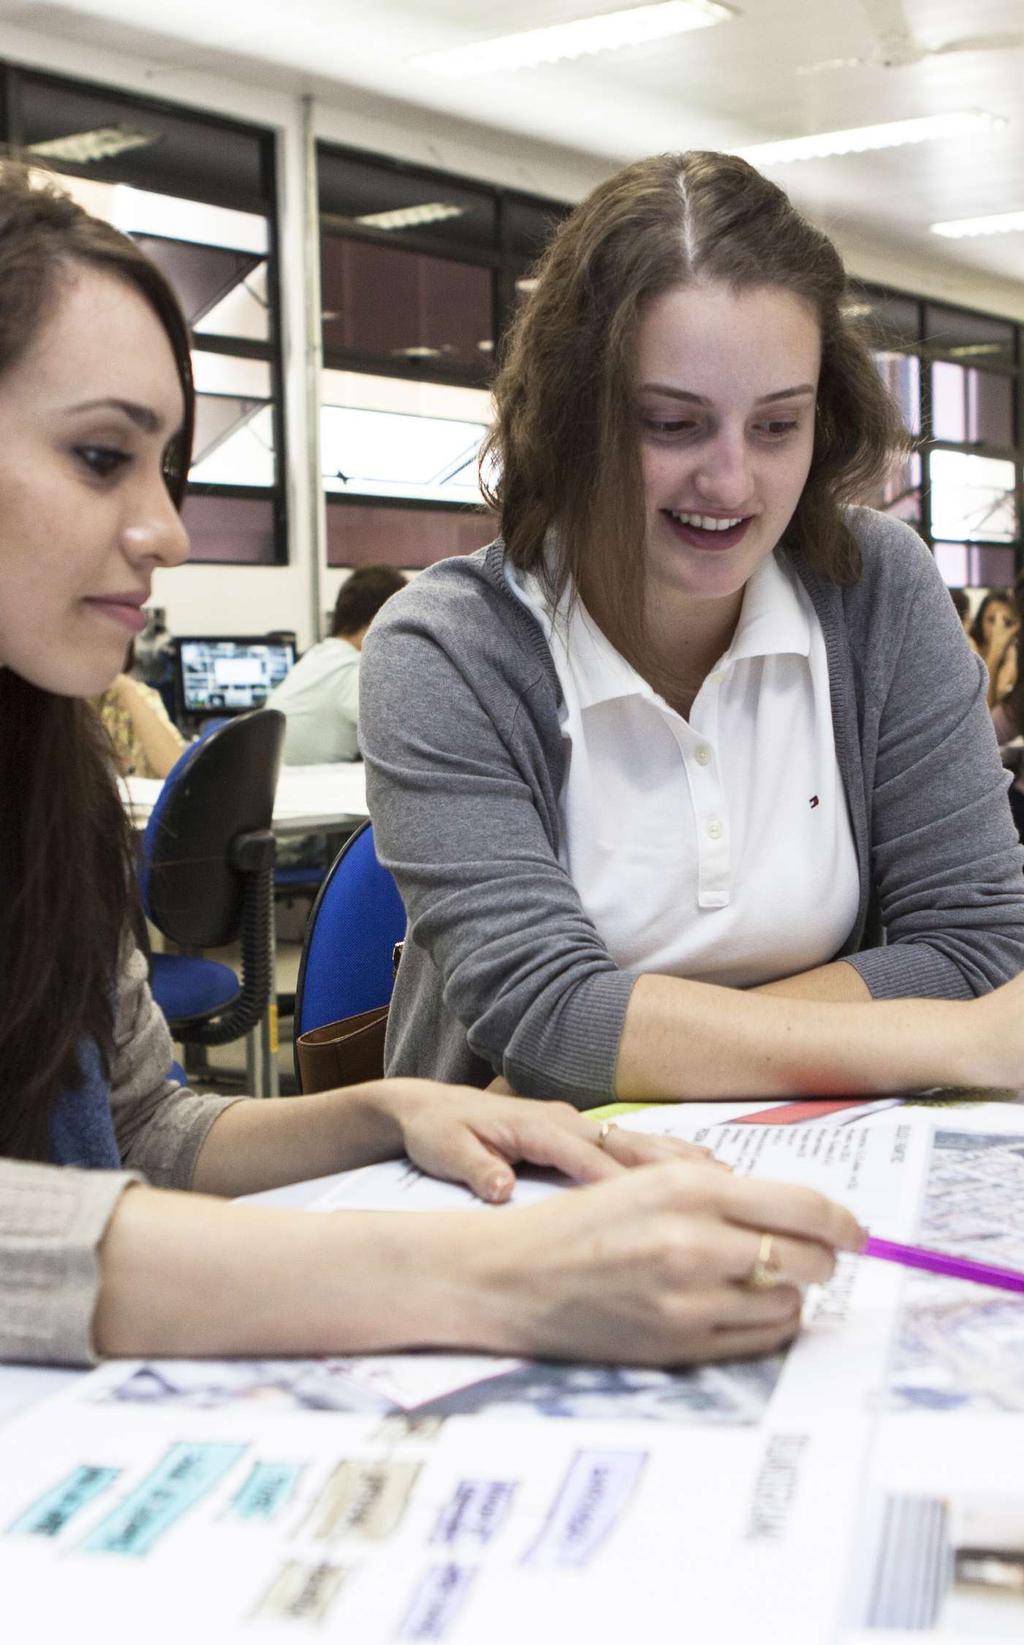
[(66, 879), (565, 443)]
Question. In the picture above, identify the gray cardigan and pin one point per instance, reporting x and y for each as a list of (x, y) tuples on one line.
[(503, 971)]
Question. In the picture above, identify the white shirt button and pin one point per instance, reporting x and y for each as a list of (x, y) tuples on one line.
[(703, 754), (714, 829)]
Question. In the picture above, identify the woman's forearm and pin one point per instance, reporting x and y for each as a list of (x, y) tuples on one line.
[(649, 1268), (685, 1040), (263, 1144), (836, 984), (185, 1275)]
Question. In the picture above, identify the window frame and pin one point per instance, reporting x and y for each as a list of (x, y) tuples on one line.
[(13, 77), (929, 353)]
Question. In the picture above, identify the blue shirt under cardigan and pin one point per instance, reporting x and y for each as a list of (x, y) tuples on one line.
[(81, 1124)]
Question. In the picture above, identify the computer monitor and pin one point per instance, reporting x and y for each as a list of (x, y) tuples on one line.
[(230, 675)]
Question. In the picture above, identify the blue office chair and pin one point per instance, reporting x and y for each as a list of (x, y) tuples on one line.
[(347, 963), (206, 877)]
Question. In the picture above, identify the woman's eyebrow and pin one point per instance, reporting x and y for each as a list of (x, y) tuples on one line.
[(700, 400), (786, 393), (144, 417)]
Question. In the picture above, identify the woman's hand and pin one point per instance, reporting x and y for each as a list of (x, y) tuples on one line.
[(652, 1268), (475, 1137), (646, 1269)]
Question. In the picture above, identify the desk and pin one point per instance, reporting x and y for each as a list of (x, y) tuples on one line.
[(863, 1488), (308, 798)]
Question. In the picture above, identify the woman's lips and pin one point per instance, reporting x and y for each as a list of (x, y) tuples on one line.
[(131, 617), (697, 537)]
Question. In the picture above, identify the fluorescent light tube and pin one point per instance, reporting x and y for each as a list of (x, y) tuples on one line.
[(861, 139), (609, 31), (962, 228), (434, 211), (82, 147)]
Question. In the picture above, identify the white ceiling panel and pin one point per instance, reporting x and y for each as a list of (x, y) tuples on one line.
[(781, 68)]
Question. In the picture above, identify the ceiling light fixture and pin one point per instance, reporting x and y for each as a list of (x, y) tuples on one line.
[(434, 211), (83, 148), (862, 139), (966, 351), (607, 32), (964, 228)]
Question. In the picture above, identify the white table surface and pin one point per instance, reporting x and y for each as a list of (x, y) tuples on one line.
[(308, 796)]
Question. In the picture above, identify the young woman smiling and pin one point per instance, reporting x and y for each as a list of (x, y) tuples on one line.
[(688, 781), (100, 1251)]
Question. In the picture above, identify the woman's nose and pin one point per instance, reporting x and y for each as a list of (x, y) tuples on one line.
[(156, 531), (723, 474)]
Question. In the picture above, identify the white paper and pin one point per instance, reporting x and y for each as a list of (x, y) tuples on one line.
[(863, 1488)]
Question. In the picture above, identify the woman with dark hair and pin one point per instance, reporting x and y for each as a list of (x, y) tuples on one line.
[(1006, 696), (657, 770), (659, 1264), (994, 622)]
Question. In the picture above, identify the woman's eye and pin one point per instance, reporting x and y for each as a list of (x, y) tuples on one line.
[(778, 428), (102, 460), (669, 425)]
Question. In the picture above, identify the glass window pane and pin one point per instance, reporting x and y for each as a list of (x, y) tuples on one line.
[(387, 437), (972, 498), (214, 258), (901, 374), (371, 534), (139, 212), (530, 224), (230, 528), (204, 277), (963, 336), (391, 199), (990, 567), (971, 405), (123, 140), (892, 322), (973, 565), (953, 561), (244, 309), (386, 303), (234, 437), (899, 492)]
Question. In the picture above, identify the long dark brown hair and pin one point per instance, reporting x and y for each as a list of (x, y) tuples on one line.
[(66, 882), (565, 443)]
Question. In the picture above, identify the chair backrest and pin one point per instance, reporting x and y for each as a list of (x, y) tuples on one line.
[(354, 924), (222, 786)]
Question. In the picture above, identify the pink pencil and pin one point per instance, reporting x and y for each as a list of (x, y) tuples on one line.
[(939, 1262)]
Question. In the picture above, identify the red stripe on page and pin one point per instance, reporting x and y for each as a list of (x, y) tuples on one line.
[(794, 1113)]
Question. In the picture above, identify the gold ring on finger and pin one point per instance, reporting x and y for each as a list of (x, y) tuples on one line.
[(767, 1270), (604, 1131)]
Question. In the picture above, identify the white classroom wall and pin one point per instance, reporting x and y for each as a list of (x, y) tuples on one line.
[(299, 595)]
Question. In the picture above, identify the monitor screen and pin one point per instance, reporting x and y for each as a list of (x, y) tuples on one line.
[(231, 676)]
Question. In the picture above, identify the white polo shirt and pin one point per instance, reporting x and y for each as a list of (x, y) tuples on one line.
[(717, 848)]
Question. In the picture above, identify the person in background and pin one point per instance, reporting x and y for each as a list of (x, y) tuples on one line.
[(145, 741), (101, 1250), (994, 621), (320, 696), (962, 605), (688, 781), (1007, 704), (1005, 661)]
